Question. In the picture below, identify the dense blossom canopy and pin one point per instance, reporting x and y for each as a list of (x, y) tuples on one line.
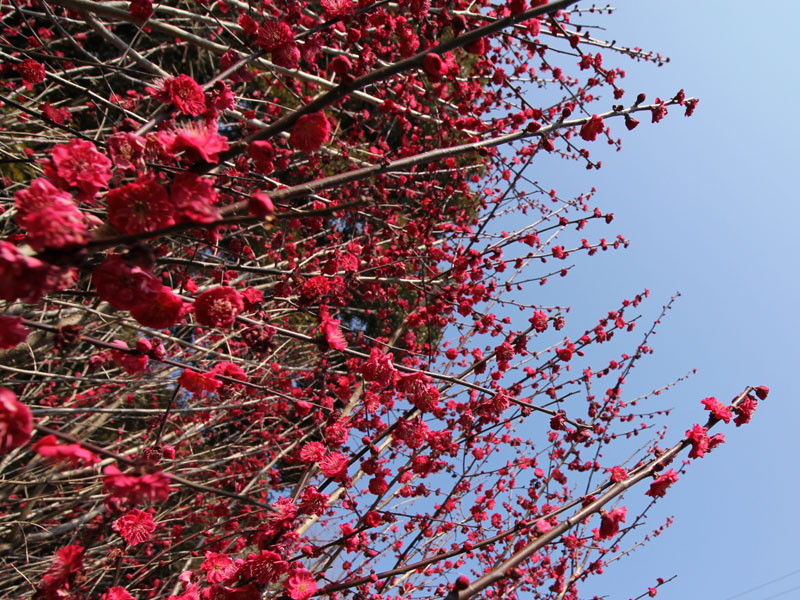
[(269, 323)]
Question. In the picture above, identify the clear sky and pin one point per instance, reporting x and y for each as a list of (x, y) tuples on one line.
[(710, 206)]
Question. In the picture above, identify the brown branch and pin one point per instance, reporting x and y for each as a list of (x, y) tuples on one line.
[(590, 509), (340, 179), (131, 462)]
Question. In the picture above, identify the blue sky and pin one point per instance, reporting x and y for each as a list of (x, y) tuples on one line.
[(709, 204)]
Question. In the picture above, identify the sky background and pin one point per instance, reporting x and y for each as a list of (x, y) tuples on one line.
[(710, 207)]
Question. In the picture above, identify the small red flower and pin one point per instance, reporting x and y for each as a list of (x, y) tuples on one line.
[(132, 364), (186, 94), (478, 47), (124, 286), (158, 311), (59, 115), (49, 447), (141, 206), (273, 35), (340, 65), (227, 60), (12, 332), (135, 526), (409, 41), (31, 72), (744, 411), (714, 441), (229, 369), (194, 198), (591, 129), (609, 522), (220, 97), (717, 409), (16, 422), (117, 593), (218, 307), (141, 9), (312, 452), (434, 66), (314, 288), (658, 488), (348, 262), (504, 352), (698, 437), (260, 205), (542, 526), (78, 163), (199, 383), (462, 582), (558, 421), (67, 565), (310, 132), (337, 8), (617, 474), (336, 435), (126, 150), (334, 465), (658, 112), (419, 390), (27, 278), (59, 225), (565, 353), (198, 142), (262, 152), (287, 56), (300, 585), (762, 392), (151, 487), (219, 567), (378, 486), (248, 24), (285, 511), (379, 368), (266, 567), (331, 330), (313, 502), (38, 196), (691, 105), (539, 321)]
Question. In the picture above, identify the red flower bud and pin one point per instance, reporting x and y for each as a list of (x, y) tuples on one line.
[(630, 122), (16, 422), (434, 66), (260, 205)]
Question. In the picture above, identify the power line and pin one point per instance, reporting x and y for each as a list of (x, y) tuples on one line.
[(797, 587), (761, 585)]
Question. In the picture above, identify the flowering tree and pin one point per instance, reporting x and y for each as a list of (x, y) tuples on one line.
[(259, 333)]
